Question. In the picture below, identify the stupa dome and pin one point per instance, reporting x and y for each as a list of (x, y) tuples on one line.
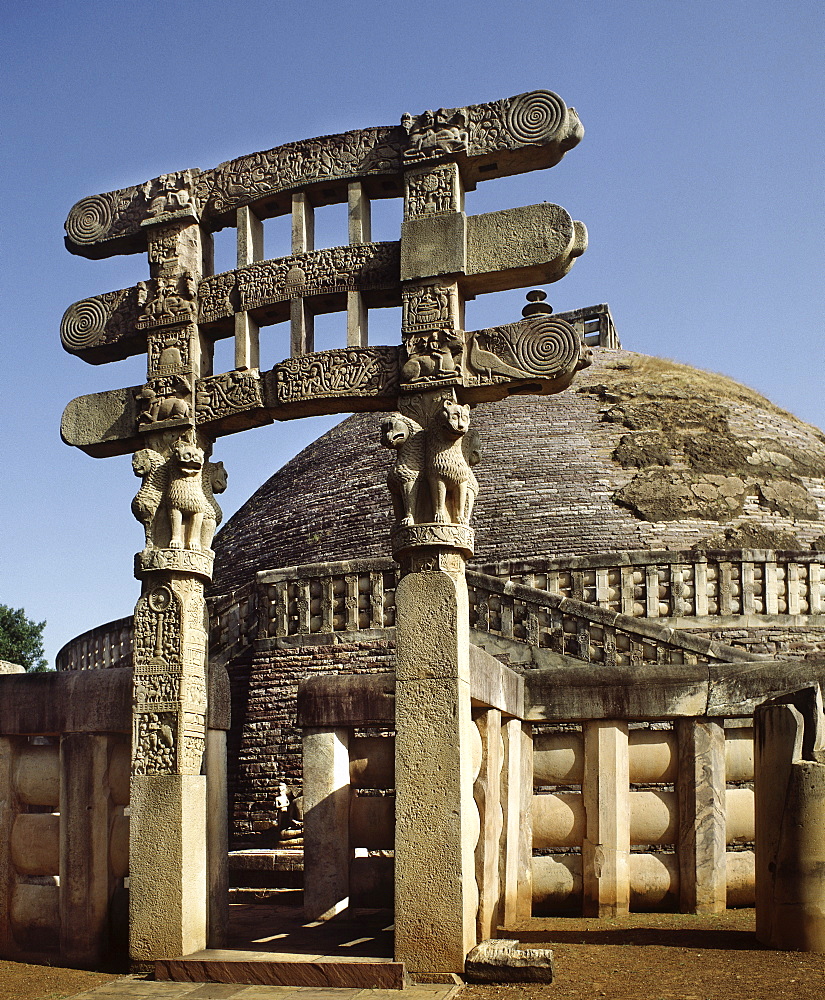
[(640, 453)]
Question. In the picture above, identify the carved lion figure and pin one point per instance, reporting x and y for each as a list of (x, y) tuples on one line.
[(187, 501), (214, 480), (453, 485), (151, 467), (407, 438)]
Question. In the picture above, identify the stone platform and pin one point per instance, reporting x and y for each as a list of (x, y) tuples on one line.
[(271, 945)]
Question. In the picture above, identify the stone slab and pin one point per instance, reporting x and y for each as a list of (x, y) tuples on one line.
[(501, 960), (495, 685), (265, 969), (333, 701), (83, 701)]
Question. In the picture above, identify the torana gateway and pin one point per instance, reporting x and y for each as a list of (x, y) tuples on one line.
[(563, 724)]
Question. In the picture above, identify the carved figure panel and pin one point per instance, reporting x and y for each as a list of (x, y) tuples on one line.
[(432, 481), (406, 437), (217, 297), (348, 155), (540, 347), (170, 195), (157, 630), (358, 267), (453, 485), (154, 742), (176, 501), (231, 392), (352, 371), (168, 299), (435, 133), (426, 307), (432, 191)]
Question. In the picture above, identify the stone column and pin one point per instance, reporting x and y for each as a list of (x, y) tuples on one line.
[(487, 792), (606, 847), (515, 862), (327, 853), (789, 750), (168, 901), (437, 826), (700, 790), (217, 837), (8, 811), (84, 848)]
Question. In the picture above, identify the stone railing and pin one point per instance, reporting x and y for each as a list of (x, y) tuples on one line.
[(103, 647), (678, 585), (594, 324), (327, 598), (582, 631), (675, 588), (658, 779)]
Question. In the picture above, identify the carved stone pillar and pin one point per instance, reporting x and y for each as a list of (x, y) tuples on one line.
[(437, 822), (168, 852)]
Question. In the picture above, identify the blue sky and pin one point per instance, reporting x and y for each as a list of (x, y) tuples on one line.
[(699, 179)]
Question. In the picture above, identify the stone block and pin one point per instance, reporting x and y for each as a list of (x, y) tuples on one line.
[(35, 843), (519, 246), (372, 822), (700, 790), (168, 850), (557, 884), (37, 775), (84, 847), (500, 960), (654, 882), (606, 845), (34, 916), (372, 762), (653, 817), (433, 245), (327, 850), (558, 759), (494, 685)]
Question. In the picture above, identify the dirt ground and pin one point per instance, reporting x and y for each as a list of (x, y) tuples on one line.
[(640, 957)]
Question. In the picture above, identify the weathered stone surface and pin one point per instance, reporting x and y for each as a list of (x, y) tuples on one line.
[(74, 702), (702, 835), (327, 848), (436, 898), (258, 968), (790, 819), (502, 960)]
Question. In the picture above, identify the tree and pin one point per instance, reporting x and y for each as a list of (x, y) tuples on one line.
[(21, 639)]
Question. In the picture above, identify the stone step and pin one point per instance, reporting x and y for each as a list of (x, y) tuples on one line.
[(261, 968)]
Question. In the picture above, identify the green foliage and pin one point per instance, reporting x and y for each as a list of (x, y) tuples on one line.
[(21, 639)]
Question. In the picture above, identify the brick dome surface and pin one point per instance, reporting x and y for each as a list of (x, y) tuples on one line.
[(640, 453)]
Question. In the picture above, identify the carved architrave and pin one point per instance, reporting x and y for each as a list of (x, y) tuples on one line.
[(348, 372), (221, 396), (538, 122), (343, 156), (540, 347), (104, 327), (359, 267)]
